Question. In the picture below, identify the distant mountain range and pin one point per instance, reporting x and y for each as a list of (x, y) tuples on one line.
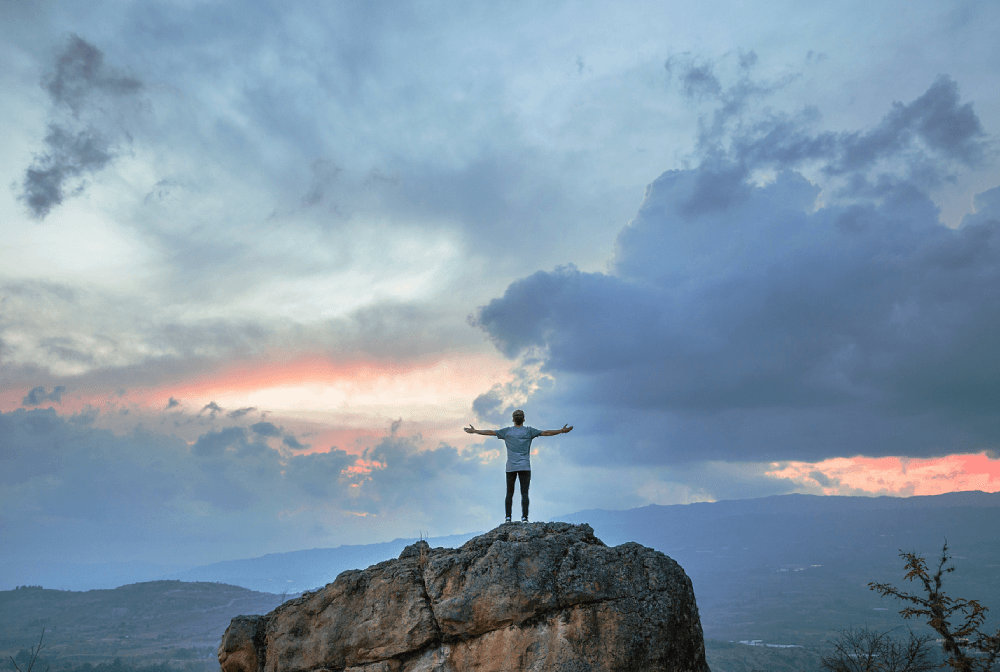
[(788, 569), (297, 571), (792, 568)]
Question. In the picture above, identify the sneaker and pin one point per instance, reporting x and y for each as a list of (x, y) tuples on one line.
[(524, 519), (507, 519)]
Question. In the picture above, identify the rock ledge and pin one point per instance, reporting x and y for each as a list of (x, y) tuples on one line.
[(535, 596)]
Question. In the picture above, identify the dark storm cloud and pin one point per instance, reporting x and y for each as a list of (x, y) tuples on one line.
[(756, 326), (38, 395), (88, 138)]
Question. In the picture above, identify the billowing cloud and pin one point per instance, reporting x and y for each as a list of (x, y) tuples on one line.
[(922, 142), (65, 481), (85, 131), (753, 321)]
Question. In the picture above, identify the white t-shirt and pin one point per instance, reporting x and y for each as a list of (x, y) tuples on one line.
[(518, 440)]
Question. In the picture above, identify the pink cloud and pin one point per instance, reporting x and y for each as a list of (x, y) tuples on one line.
[(894, 475)]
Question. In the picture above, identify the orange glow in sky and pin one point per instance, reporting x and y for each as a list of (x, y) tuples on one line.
[(307, 384), (326, 403), (899, 476)]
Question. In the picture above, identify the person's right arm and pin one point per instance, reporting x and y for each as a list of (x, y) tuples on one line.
[(485, 432)]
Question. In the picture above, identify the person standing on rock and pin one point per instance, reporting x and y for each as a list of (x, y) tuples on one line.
[(518, 439)]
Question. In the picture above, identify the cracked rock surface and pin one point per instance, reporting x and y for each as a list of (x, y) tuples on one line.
[(535, 596)]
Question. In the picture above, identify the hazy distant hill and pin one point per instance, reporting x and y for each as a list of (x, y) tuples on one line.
[(791, 568), (297, 571), (159, 620)]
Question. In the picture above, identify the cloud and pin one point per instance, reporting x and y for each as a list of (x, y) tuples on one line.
[(86, 139), (490, 406), (435, 482), (750, 321), (291, 442), (893, 476), (80, 72), (921, 142), (266, 429), (67, 484), (38, 395), (240, 412), (173, 403), (212, 408), (321, 475), (215, 444)]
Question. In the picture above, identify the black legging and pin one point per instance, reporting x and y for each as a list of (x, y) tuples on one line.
[(525, 477)]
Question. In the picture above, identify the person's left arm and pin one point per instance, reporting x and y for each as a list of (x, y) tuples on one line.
[(553, 432)]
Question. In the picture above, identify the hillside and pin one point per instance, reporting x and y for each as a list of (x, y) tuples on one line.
[(142, 622), (297, 571)]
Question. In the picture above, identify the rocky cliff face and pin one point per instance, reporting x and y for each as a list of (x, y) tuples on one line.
[(536, 596)]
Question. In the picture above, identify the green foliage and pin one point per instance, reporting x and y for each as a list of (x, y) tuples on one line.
[(959, 621)]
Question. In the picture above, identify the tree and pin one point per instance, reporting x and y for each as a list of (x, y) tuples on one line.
[(35, 650), (864, 650), (961, 640)]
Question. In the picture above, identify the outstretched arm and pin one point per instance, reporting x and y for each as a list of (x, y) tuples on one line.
[(485, 432), (553, 432)]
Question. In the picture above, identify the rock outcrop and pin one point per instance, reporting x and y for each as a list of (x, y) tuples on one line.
[(535, 596)]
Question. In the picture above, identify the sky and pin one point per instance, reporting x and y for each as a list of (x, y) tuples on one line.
[(261, 262)]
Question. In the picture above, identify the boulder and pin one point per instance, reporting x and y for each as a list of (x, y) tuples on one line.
[(534, 596)]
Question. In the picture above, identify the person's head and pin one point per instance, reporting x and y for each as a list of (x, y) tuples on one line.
[(519, 417)]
